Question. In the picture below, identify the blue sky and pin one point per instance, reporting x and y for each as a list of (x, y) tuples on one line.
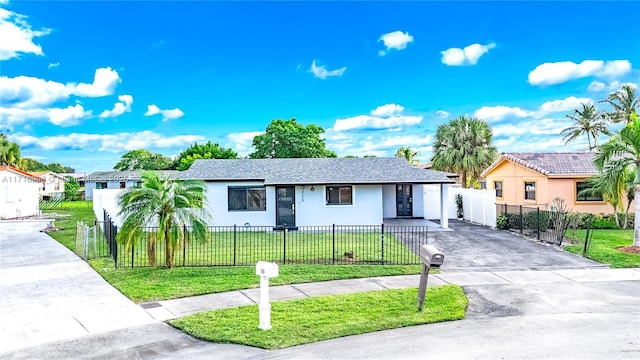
[(83, 82)]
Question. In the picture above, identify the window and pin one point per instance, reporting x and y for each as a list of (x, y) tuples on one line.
[(123, 184), (483, 185), (101, 185), (582, 193), (339, 195), (529, 190), (498, 186), (247, 198)]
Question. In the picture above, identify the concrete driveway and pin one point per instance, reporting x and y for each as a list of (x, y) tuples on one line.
[(49, 294), (472, 247)]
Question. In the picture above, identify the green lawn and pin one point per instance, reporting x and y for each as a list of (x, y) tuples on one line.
[(604, 245), (70, 212), (303, 321)]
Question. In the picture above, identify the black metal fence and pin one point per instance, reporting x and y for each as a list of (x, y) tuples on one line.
[(109, 232), (542, 225), (246, 245)]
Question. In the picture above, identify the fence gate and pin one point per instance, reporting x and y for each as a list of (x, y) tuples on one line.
[(86, 241)]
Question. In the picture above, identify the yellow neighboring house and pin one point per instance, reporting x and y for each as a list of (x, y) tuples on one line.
[(535, 179)]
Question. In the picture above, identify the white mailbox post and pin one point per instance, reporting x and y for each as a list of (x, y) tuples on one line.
[(265, 270)]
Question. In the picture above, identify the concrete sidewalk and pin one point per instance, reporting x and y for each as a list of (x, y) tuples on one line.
[(49, 294), (176, 308)]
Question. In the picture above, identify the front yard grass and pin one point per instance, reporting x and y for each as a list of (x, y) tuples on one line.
[(69, 212), (303, 321), (604, 246), (152, 284)]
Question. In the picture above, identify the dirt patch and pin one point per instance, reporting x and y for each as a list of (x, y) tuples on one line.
[(630, 249)]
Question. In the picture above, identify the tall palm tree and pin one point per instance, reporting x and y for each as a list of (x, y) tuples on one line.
[(624, 102), (407, 153), (171, 205), (587, 121), (464, 146), (9, 152), (619, 155)]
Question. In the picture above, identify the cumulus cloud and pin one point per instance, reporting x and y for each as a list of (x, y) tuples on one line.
[(166, 114), (243, 141), (18, 36), (104, 83), (563, 71), (321, 72), (441, 114), (395, 40), (497, 113), (107, 142), (68, 116), (387, 116), (467, 56), (119, 108), (71, 115), (599, 86), (387, 110)]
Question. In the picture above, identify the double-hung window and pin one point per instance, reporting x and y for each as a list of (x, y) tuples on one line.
[(339, 195), (530, 190), (247, 198), (497, 185)]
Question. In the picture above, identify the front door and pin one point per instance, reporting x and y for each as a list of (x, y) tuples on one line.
[(285, 206), (404, 200)]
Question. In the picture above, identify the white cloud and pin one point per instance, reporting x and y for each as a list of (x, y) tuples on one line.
[(394, 40), (563, 71), (441, 114), (243, 141), (68, 116), (387, 110), (545, 126), (497, 113), (18, 36), (373, 122), (467, 56), (104, 83), (598, 86), (107, 142), (166, 114), (321, 71), (119, 108), (53, 65)]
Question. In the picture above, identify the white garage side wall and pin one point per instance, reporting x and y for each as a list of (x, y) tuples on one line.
[(418, 200), (107, 199), (19, 195), (479, 206), (217, 196), (311, 208), (389, 201)]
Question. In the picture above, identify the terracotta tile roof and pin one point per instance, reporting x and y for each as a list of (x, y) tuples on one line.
[(551, 163), (18, 171)]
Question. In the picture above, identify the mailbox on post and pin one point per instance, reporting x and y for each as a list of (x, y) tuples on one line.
[(265, 270), (431, 257)]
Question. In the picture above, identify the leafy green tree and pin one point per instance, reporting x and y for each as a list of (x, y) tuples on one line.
[(289, 139), (620, 156), (586, 121), (464, 146), (204, 151), (407, 153), (71, 187), (9, 152), (624, 103), (173, 204), (142, 159), (56, 168)]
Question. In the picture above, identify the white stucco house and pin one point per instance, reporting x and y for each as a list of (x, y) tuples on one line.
[(53, 185), (287, 193), (19, 193), (115, 180)]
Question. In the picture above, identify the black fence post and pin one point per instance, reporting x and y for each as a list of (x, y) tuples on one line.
[(113, 232), (184, 246), (284, 247), (133, 254), (538, 224), (333, 242), (382, 242), (234, 244), (521, 220), (586, 239)]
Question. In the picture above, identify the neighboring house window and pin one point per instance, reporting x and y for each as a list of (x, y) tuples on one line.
[(247, 198), (123, 184), (483, 185), (339, 195), (138, 184), (498, 186), (101, 185), (588, 196), (529, 190), (56, 187)]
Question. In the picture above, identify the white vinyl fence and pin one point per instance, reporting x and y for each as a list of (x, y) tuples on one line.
[(106, 199), (479, 206)]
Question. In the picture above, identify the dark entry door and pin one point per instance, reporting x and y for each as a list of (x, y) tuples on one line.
[(285, 206), (404, 200)]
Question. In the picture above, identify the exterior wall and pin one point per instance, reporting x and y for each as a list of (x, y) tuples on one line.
[(218, 197), (513, 177), (19, 195), (389, 201), (90, 186), (478, 205), (106, 199), (52, 186), (418, 200), (311, 208), (566, 189)]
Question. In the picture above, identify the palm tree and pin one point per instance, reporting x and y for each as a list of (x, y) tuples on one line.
[(173, 204), (587, 121), (620, 155), (624, 103), (9, 152), (464, 146), (407, 153)]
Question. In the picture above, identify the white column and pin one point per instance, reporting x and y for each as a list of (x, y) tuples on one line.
[(444, 208)]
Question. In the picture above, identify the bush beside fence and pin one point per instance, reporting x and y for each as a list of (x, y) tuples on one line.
[(542, 225)]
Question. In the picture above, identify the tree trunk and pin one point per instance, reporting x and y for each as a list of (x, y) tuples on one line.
[(151, 249), (464, 179), (168, 249), (636, 223)]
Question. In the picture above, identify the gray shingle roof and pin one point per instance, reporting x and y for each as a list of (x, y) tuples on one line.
[(314, 171), (553, 163), (124, 175)]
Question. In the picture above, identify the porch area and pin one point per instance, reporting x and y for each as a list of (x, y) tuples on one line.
[(432, 226)]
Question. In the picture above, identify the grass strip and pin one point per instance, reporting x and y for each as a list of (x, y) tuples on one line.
[(604, 247)]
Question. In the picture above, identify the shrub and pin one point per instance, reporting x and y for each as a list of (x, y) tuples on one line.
[(502, 222), (603, 222), (535, 220), (459, 211)]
